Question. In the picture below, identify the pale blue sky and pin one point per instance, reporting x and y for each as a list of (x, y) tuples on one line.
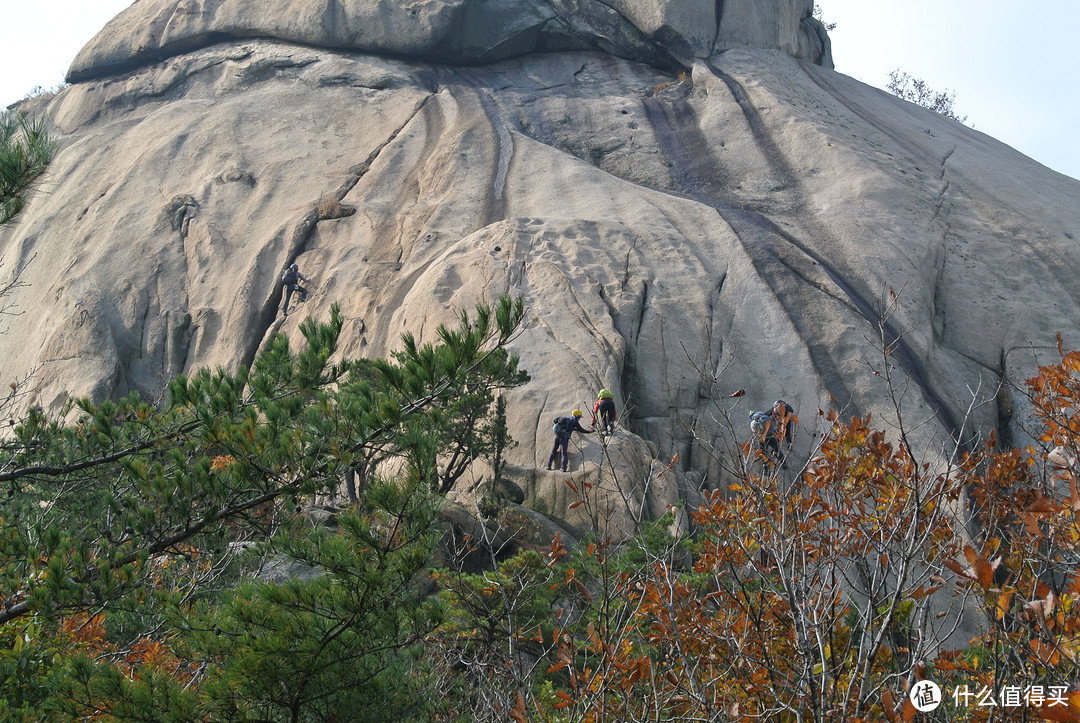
[(1015, 67)]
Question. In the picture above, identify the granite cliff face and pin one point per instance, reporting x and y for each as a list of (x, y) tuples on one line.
[(676, 195), (663, 33)]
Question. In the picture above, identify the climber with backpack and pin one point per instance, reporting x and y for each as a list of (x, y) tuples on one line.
[(605, 409), (564, 428), (772, 426), (783, 415), (291, 278)]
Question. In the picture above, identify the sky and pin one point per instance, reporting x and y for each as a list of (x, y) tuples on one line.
[(1014, 66)]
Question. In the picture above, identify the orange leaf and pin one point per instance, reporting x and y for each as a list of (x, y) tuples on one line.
[(1004, 600), (1031, 525), (518, 712), (956, 567), (907, 711), (1042, 505), (1046, 654), (888, 704), (984, 571), (1058, 713)]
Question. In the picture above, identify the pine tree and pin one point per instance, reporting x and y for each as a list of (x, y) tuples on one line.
[(133, 513), (25, 151)]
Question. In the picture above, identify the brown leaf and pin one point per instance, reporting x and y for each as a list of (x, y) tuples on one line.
[(984, 571), (1036, 607), (1059, 712), (1042, 505), (907, 711), (888, 705), (518, 712), (958, 568), (1031, 525)]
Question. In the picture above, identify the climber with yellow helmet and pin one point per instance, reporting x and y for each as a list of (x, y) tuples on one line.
[(564, 428)]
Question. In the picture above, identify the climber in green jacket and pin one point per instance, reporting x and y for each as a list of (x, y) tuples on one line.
[(605, 409)]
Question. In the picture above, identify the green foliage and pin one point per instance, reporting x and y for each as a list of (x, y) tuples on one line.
[(501, 440), (130, 522), (25, 662), (310, 649), (25, 151), (132, 540)]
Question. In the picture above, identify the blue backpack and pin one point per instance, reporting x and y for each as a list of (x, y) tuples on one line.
[(762, 423), (563, 426)]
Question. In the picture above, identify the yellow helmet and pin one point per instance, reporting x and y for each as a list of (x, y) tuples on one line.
[(577, 413)]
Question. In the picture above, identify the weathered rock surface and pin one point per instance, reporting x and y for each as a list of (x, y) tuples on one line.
[(747, 218), (657, 32)]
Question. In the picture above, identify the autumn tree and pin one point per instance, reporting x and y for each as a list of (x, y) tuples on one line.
[(811, 590), (834, 597), (1023, 566)]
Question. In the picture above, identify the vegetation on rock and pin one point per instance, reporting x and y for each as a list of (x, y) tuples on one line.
[(915, 90), (155, 563), (25, 151)]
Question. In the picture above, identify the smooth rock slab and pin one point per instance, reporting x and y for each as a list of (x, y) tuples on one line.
[(675, 239)]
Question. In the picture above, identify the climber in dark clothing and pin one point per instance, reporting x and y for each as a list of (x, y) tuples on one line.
[(772, 427), (292, 277), (605, 410), (784, 421), (564, 428)]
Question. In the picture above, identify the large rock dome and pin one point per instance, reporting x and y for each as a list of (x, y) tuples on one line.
[(690, 205)]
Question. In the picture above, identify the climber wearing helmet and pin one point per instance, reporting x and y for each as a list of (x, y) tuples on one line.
[(564, 428), (605, 409), (292, 277)]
